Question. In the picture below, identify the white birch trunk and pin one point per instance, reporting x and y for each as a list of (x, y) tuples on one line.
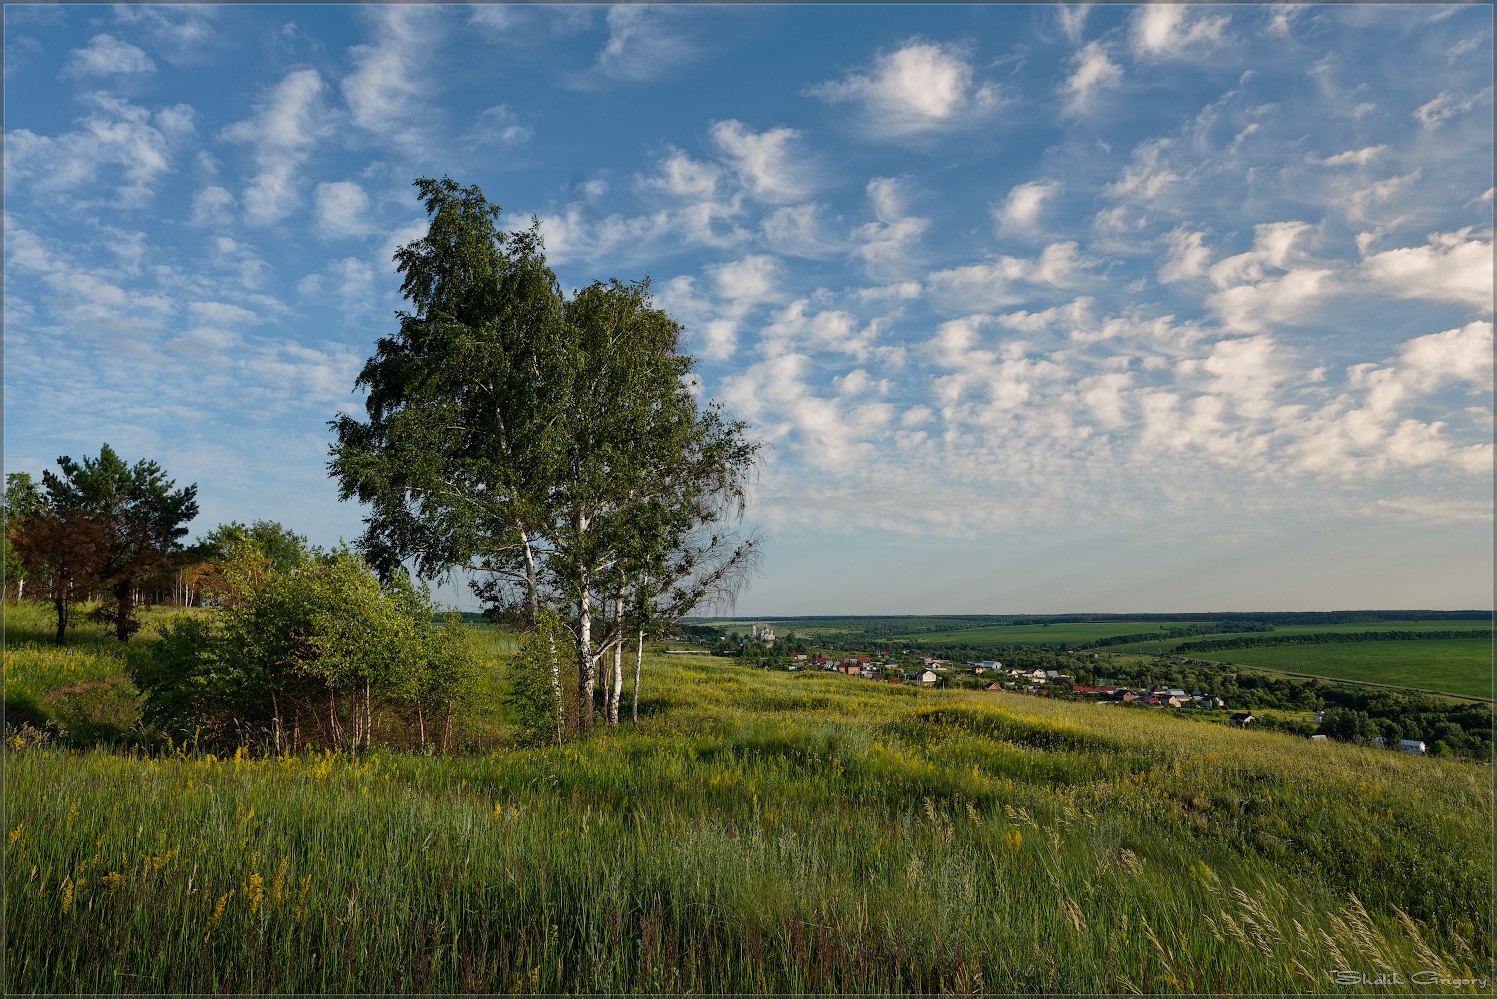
[(618, 662), (585, 664), (639, 658)]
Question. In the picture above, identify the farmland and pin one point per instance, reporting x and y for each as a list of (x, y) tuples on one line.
[(1047, 634), (1167, 645), (1456, 666), (758, 831)]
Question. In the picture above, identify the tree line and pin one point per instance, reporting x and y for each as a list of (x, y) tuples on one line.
[(1328, 638)]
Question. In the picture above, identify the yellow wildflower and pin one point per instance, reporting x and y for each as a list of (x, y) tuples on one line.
[(15, 834), (254, 890)]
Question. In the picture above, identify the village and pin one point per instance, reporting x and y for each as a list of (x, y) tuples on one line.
[(993, 675)]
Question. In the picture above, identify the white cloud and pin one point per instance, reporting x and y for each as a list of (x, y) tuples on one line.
[(1273, 246), (1188, 256), (499, 126), (287, 122), (116, 136), (921, 87), (684, 178), (1294, 299), (1355, 157), (1176, 31), (1451, 267), (107, 55), (798, 230), (1448, 105), (644, 43), (747, 281), (1371, 427), (342, 209), (1008, 280), (1148, 176), (181, 34), (385, 92), (1072, 20), (221, 313), (1021, 209), (1456, 355), (765, 162), (210, 207), (887, 246), (1092, 73), (355, 279)]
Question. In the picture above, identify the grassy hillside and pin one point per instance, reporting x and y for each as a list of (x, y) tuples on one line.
[(758, 832)]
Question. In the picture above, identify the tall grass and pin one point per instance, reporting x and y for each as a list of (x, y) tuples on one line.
[(758, 832)]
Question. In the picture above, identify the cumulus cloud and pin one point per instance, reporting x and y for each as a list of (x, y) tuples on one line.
[(1021, 208), (1008, 280), (802, 231), (1091, 73), (287, 122), (385, 92), (1374, 425), (1188, 256), (766, 163), (1273, 247), (1148, 175), (1176, 31), (887, 245), (342, 209), (1293, 299), (210, 206), (1451, 267), (131, 143), (921, 87), (107, 55)]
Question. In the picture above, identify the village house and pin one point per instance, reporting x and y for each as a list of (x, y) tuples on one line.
[(1242, 719)]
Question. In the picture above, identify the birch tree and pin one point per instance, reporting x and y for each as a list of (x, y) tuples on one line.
[(537, 440)]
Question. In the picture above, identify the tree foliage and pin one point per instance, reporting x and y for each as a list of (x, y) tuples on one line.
[(139, 517), (550, 444), (309, 654)]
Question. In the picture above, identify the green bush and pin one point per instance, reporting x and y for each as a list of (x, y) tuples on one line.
[(307, 655)]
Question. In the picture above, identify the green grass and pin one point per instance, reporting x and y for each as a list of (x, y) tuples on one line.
[(757, 832), (82, 686), (1454, 666)]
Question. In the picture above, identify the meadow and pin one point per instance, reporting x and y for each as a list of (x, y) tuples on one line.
[(758, 831)]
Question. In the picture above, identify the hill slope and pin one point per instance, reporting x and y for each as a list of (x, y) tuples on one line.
[(759, 832)]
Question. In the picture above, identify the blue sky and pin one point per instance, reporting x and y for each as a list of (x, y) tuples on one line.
[(1041, 308)]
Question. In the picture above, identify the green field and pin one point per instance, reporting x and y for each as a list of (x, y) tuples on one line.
[(757, 832), (1455, 666), (1051, 634), (1168, 644)]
